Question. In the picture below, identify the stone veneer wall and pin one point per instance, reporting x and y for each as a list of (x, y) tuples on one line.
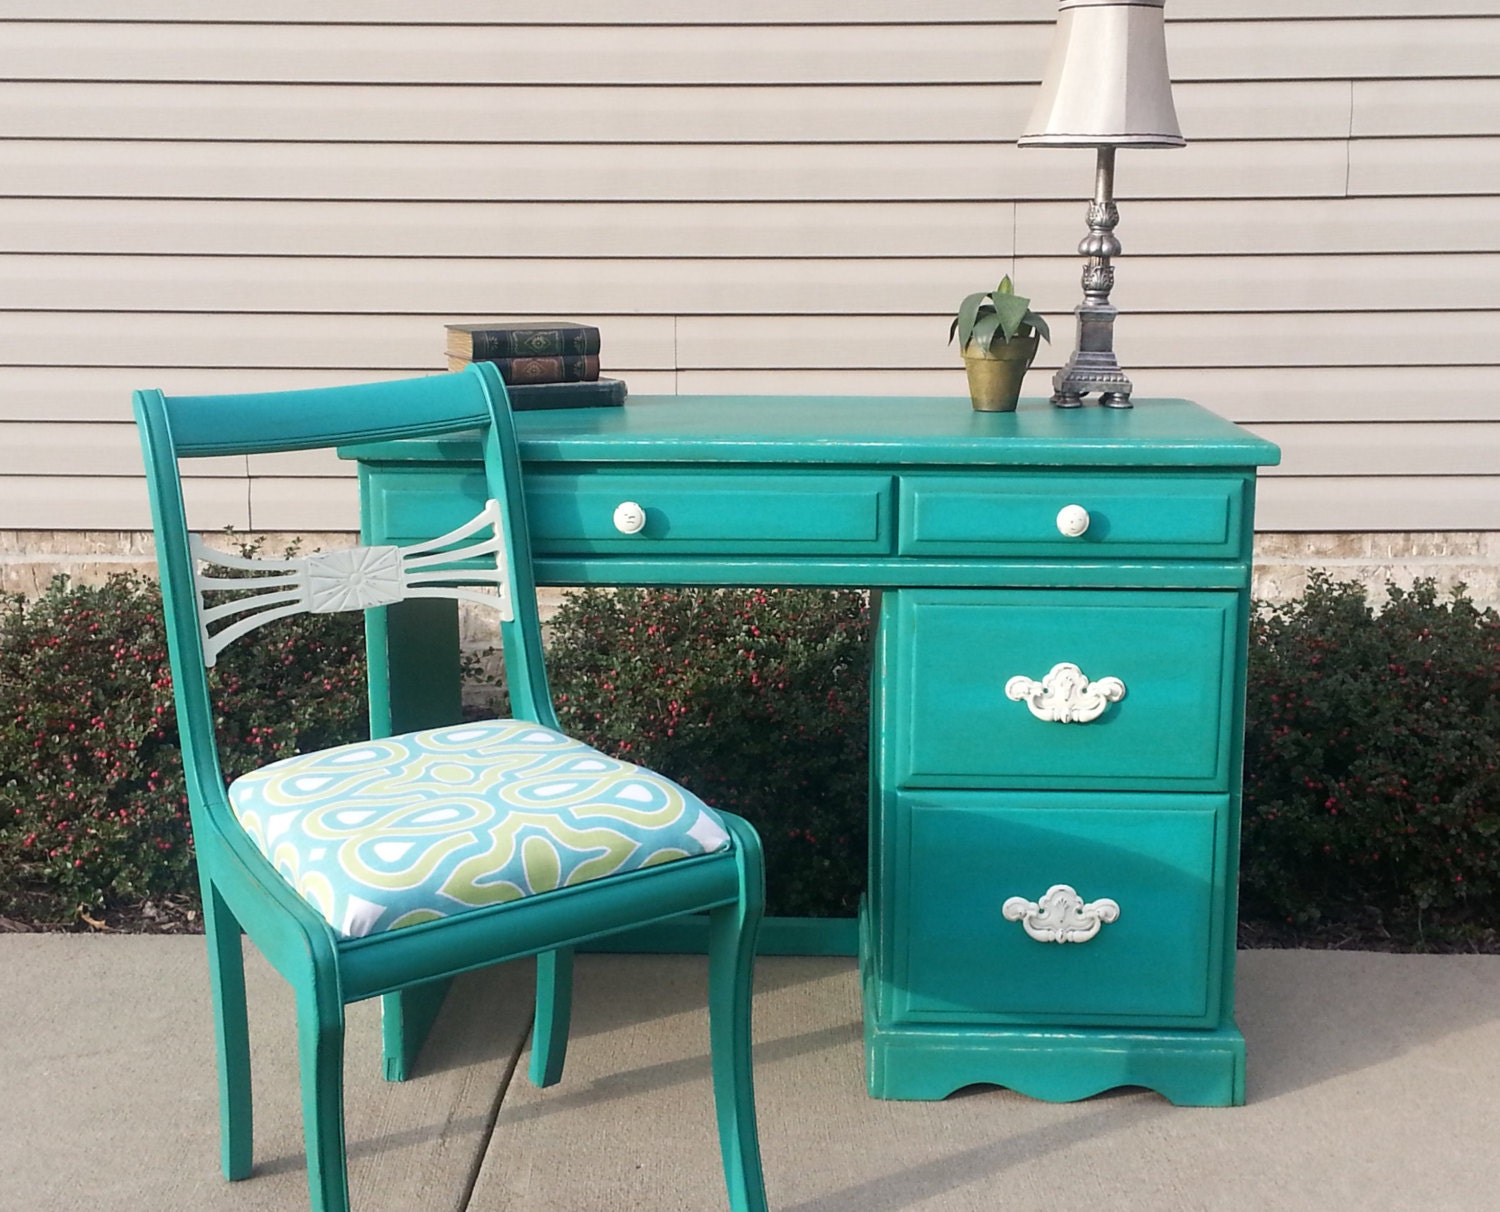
[(30, 558), (1377, 559)]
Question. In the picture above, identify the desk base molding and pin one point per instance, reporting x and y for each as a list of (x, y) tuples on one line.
[(1189, 1069)]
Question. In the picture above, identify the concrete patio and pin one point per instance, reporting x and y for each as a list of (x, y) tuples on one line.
[(1372, 1085)]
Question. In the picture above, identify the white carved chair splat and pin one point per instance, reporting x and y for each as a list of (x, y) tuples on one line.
[(351, 578)]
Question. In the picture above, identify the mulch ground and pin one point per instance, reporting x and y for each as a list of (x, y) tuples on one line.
[(166, 915), (1367, 936)]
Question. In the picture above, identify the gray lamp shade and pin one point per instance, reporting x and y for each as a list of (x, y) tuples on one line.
[(1107, 82)]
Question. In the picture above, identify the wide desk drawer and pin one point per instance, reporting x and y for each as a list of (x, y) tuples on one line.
[(1063, 909), (704, 513), (679, 513), (1030, 514), (1064, 688)]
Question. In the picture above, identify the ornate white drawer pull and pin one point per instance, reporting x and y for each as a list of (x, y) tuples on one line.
[(1061, 916), (1065, 695)]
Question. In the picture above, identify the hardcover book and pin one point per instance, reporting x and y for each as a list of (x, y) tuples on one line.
[(571, 368), (494, 339), (600, 393), (593, 393)]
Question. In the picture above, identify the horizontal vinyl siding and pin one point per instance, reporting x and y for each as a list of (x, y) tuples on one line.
[(1302, 227), (845, 172), (35, 502), (748, 343), (200, 198), (584, 113), (683, 12), (792, 53), (719, 289)]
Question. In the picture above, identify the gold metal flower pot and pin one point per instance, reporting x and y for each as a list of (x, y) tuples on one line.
[(995, 374)]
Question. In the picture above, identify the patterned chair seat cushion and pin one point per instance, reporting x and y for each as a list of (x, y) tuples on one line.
[(388, 833)]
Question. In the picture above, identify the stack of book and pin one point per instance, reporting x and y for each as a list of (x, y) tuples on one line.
[(545, 363)]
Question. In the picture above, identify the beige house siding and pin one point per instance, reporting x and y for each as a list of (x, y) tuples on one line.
[(746, 198)]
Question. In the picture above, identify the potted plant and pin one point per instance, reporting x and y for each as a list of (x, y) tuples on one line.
[(997, 334)]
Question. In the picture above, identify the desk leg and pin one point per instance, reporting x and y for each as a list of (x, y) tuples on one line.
[(406, 1016), (414, 683), (414, 666)]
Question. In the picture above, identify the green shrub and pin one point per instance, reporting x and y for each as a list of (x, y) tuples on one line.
[(755, 699), (1372, 778), (1372, 781), (93, 809)]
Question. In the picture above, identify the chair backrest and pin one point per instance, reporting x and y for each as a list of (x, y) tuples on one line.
[(486, 560)]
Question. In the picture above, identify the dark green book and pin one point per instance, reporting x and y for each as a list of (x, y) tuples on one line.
[(599, 393), (491, 340)]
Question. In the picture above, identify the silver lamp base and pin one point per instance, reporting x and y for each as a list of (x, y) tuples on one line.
[(1093, 366)]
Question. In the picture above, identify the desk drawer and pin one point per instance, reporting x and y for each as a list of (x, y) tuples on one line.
[(1149, 870), (692, 513), (982, 696), (410, 504), (573, 513), (1017, 514)]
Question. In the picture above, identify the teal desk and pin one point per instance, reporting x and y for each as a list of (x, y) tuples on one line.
[(1058, 690)]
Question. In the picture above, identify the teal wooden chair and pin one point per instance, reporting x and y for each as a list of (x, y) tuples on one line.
[(383, 868)]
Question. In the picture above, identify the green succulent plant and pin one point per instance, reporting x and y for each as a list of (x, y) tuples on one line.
[(984, 319)]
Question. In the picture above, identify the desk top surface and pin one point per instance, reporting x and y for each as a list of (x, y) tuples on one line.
[(872, 430)]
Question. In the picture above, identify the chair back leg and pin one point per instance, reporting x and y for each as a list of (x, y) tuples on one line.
[(554, 1012), (226, 977)]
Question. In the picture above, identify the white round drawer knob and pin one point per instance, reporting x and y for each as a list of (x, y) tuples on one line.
[(1072, 520), (630, 518)]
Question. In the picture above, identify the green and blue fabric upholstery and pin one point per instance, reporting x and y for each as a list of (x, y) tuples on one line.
[(388, 833)]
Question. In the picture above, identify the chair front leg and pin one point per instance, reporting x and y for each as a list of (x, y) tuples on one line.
[(554, 1012), (320, 1050), (226, 978), (733, 930)]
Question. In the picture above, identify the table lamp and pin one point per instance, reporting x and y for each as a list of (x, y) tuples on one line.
[(1106, 86)]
